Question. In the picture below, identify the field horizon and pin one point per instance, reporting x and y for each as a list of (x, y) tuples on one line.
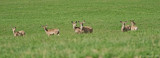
[(104, 16)]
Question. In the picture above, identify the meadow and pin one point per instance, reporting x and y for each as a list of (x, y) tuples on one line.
[(104, 16)]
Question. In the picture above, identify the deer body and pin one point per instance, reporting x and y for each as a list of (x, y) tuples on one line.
[(51, 31), (125, 28), (18, 33), (133, 27), (22, 32), (86, 29)]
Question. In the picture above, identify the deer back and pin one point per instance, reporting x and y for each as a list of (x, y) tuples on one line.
[(22, 32), (87, 29), (50, 31)]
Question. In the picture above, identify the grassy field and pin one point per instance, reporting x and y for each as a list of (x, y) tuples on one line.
[(107, 40)]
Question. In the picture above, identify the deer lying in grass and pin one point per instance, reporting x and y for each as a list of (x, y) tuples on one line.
[(51, 31), (133, 27), (125, 28), (18, 33), (75, 28), (86, 29)]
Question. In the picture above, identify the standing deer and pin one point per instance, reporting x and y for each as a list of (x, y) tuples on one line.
[(125, 28), (18, 33), (51, 31), (75, 28), (133, 27), (86, 29)]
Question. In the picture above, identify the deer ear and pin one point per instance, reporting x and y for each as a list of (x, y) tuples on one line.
[(120, 21)]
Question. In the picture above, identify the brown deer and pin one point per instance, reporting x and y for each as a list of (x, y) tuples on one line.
[(86, 29), (18, 33), (133, 27), (125, 28), (75, 28), (51, 31)]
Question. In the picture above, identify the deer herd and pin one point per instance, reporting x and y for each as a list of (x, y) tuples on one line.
[(78, 30)]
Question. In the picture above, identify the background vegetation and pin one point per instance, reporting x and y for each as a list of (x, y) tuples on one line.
[(107, 41)]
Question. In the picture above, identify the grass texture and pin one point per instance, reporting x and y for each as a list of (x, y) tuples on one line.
[(104, 16)]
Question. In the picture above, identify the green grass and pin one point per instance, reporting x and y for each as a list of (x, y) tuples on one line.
[(107, 41)]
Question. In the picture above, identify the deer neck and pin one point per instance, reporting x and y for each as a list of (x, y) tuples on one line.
[(13, 31), (45, 29), (81, 26), (74, 27), (122, 28), (132, 24)]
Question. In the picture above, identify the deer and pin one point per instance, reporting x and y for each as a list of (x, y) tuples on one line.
[(86, 29), (133, 27), (18, 33), (125, 28), (51, 31), (75, 28)]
